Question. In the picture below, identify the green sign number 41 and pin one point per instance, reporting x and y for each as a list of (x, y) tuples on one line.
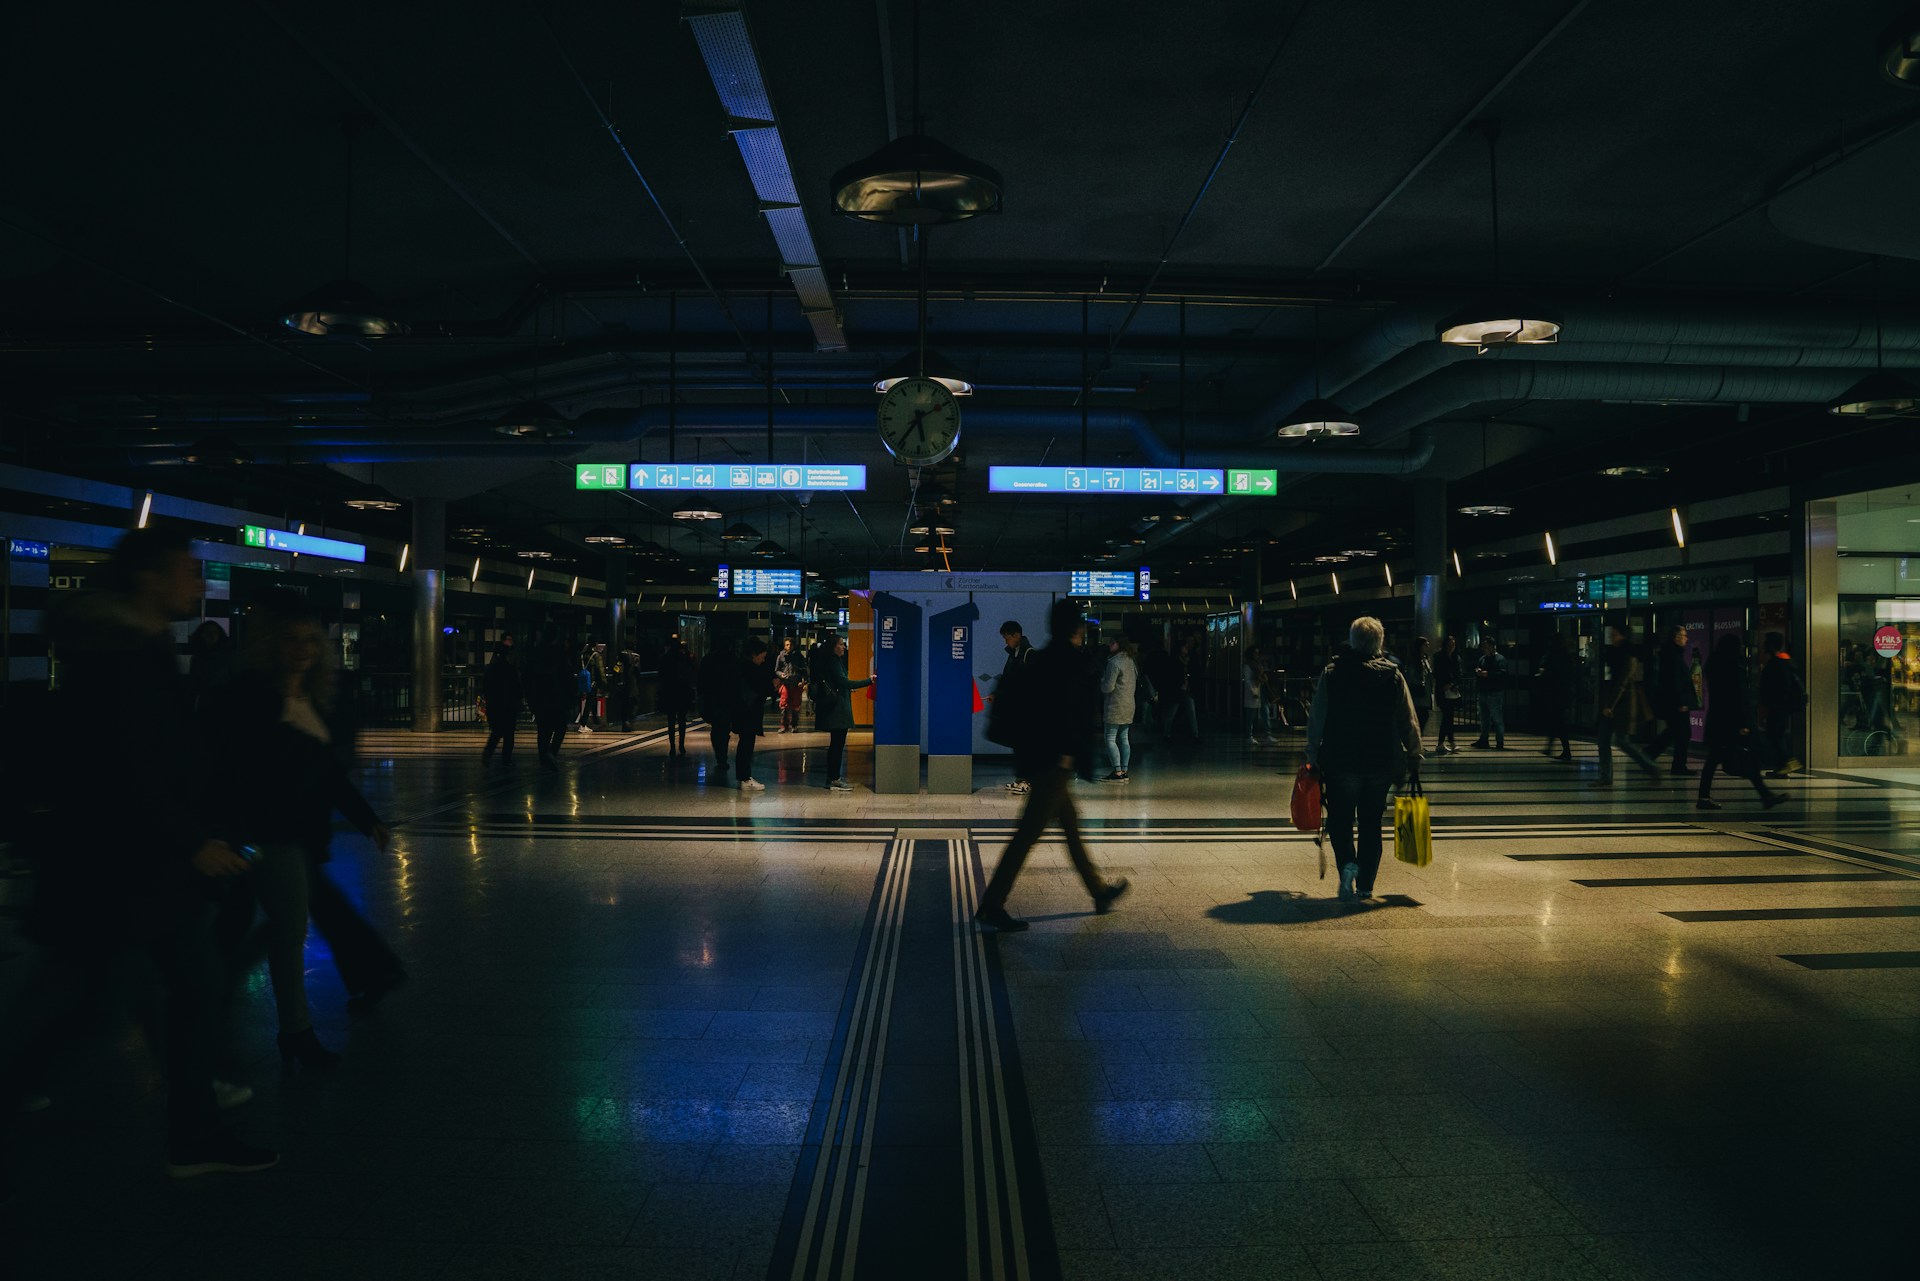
[(600, 476)]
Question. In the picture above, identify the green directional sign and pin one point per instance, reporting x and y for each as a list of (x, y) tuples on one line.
[(1243, 482), (600, 476)]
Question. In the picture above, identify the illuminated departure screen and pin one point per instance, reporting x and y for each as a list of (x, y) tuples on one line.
[(766, 582), (1103, 582)]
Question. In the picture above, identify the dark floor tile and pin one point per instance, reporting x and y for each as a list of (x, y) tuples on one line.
[(1095, 1165), (1216, 1121), (527, 1211), (641, 1163), (1212, 1080), (1302, 1159), (749, 1163), (710, 1215), (1464, 1207), (1498, 1259), (576, 1263), (744, 1121), (1258, 1263)]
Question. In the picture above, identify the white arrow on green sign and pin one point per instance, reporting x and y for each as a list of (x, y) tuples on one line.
[(600, 476), (1245, 482)]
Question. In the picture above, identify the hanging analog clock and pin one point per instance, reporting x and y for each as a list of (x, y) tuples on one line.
[(919, 421)]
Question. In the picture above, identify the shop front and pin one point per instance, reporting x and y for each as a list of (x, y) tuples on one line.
[(1864, 693)]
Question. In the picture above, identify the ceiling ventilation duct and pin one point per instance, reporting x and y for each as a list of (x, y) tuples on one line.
[(720, 29)]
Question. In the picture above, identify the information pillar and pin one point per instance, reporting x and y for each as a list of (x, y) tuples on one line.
[(896, 702), (950, 640)]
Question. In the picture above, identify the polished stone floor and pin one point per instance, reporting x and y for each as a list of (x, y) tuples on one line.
[(662, 1029)]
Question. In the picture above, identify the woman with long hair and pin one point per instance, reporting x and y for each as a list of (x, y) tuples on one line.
[(285, 747), (833, 709)]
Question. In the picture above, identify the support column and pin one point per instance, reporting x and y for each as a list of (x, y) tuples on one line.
[(1430, 560), (1815, 615), (616, 578), (428, 559)]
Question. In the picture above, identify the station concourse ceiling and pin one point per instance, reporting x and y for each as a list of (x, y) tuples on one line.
[(1708, 194)]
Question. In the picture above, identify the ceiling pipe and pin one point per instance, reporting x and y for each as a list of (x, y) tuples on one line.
[(1398, 350)]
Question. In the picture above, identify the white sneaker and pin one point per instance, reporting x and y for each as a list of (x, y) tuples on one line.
[(1020, 789), (752, 785), (229, 1095)]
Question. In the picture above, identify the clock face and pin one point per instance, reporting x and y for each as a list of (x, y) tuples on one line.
[(919, 421)]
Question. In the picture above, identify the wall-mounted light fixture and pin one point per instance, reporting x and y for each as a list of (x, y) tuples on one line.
[(146, 510), (1336, 582), (1456, 564), (406, 550), (1553, 553), (474, 575), (1679, 529)]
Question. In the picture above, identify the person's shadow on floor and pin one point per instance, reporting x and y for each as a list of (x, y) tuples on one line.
[(1293, 907)]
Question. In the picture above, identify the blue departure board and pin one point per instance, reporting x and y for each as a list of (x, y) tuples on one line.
[(1106, 480), (1103, 582), (763, 476), (767, 582)]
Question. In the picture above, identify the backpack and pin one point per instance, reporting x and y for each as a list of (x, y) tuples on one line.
[(584, 681), (1010, 718)]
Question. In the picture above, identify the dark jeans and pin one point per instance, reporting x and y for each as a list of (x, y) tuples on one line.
[(550, 731), (1676, 733), (1493, 717), (677, 730), (1554, 714), (1051, 797), (1778, 738), (1738, 758), (836, 754), (1449, 707), (717, 733), (1179, 706), (1627, 745), (499, 734), (1351, 799), (743, 755), (66, 1003), (1421, 711)]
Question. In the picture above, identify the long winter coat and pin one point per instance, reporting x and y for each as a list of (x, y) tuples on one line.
[(833, 692), (1119, 684)]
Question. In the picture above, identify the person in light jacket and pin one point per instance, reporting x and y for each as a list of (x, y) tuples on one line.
[(1362, 736), (1118, 684)]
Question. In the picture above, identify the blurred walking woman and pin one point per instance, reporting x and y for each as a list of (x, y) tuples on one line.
[(285, 749)]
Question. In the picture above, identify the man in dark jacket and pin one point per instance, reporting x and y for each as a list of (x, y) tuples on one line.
[(715, 686), (1673, 700), (1620, 698), (1020, 651), (1054, 733), (550, 679), (139, 874), (1491, 679), (502, 686), (1362, 735), (753, 686), (1781, 697)]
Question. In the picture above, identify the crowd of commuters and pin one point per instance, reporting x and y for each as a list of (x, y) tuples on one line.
[(228, 779)]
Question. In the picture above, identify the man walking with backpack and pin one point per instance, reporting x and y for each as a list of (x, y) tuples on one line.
[(1046, 719)]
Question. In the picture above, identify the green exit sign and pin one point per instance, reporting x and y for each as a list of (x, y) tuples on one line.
[(255, 535), (600, 476), (1243, 482)]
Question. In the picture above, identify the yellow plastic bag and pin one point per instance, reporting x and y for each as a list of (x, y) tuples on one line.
[(1412, 828)]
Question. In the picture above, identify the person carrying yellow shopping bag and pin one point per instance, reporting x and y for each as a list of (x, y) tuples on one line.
[(1412, 826), (1363, 736)]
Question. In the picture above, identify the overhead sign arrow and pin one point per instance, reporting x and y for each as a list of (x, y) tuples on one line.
[(1210, 481)]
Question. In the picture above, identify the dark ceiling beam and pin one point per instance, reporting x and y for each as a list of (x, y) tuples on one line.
[(1468, 117)]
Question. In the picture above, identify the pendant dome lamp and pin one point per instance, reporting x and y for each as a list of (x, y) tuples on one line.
[(344, 308), (1502, 318), (937, 367), (1880, 395), (914, 180), (1318, 418)]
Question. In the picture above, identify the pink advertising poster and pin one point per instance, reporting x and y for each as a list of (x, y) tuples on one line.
[(1696, 622)]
